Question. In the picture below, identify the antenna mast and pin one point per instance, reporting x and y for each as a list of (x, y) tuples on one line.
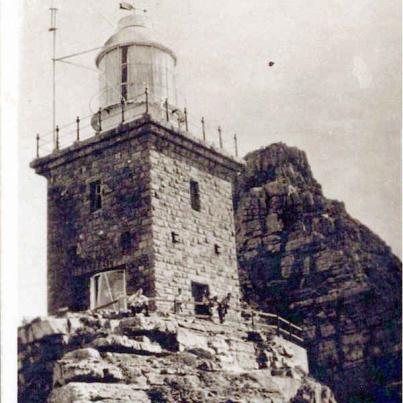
[(53, 12)]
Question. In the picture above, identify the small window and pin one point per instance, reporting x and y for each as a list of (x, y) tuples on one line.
[(126, 242), (200, 293), (175, 237), (124, 73), (195, 195), (217, 249), (95, 196)]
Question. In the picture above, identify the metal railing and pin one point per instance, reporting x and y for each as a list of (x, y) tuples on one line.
[(143, 104), (252, 319)]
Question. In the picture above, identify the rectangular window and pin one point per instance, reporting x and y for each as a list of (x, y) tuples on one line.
[(174, 237), (200, 294), (124, 73), (95, 195), (195, 195), (217, 249), (126, 242)]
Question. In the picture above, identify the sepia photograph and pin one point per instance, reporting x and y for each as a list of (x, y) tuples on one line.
[(201, 201)]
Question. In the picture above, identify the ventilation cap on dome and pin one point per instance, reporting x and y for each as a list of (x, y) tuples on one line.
[(135, 20)]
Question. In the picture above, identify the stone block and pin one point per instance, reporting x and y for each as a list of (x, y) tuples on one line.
[(273, 223), (66, 371), (43, 327), (118, 343), (143, 324), (83, 354), (189, 340), (78, 392), (275, 188)]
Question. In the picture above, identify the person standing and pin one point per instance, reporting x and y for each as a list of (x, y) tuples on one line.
[(223, 306), (178, 302)]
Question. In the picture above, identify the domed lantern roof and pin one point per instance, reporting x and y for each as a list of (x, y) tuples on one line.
[(134, 30), (131, 60)]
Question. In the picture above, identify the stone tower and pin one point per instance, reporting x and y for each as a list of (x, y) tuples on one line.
[(141, 203)]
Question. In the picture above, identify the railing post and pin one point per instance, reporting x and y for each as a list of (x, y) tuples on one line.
[(37, 145), (122, 106), (166, 109), (78, 128), (186, 120), (220, 136), (278, 325), (57, 139), (236, 145), (146, 93), (100, 119), (203, 129)]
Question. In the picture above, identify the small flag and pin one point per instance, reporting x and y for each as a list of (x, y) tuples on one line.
[(126, 6)]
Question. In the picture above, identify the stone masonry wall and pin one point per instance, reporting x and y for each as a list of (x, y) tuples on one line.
[(81, 242), (144, 169), (193, 258)]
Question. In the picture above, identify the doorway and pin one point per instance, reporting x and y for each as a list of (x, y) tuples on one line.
[(199, 293), (108, 289)]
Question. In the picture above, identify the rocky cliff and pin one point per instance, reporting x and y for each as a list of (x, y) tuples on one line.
[(304, 256), (112, 357)]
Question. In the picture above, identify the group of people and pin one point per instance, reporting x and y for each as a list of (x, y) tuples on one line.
[(211, 303), (139, 303)]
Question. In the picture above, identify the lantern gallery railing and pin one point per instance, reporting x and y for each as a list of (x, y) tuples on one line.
[(144, 104), (255, 320)]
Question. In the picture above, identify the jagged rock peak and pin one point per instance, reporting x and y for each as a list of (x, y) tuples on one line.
[(279, 161), (302, 255)]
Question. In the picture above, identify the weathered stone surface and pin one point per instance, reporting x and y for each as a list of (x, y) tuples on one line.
[(123, 343), (43, 327), (77, 392), (192, 340), (85, 370), (83, 354), (143, 171), (142, 324), (304, 256), (309, 392), (193, 257), (212, 364)]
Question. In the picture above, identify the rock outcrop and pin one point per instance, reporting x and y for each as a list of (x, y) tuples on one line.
[(303, 255), (108, 357)]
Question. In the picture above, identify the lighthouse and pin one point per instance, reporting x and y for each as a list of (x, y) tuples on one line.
[(140, 204)]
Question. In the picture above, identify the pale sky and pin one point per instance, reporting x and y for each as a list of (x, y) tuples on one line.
[(334, 91)]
